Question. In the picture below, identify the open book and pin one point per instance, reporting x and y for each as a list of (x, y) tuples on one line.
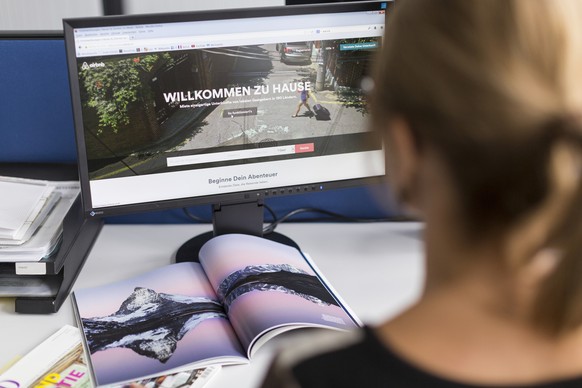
[(244, 291)]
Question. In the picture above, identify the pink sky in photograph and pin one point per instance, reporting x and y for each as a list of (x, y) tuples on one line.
[(178, 279)]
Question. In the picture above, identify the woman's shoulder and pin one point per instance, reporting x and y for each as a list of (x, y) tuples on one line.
[(333, 359), (359, 358)]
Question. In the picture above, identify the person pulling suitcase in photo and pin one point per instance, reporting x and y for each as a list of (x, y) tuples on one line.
[(303, 97)]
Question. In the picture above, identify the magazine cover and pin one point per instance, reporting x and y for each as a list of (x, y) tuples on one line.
[(57, 362)]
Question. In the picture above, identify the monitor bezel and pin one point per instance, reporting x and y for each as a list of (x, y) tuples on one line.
[(32, 35), (214, 199)]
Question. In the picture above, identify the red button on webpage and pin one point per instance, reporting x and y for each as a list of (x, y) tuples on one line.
[(308, 147)]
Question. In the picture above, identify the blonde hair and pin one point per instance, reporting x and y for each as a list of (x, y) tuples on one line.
[(492, 85)]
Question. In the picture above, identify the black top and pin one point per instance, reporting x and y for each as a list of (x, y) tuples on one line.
[(367, 362)]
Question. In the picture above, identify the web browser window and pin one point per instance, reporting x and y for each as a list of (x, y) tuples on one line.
[(196, 108)]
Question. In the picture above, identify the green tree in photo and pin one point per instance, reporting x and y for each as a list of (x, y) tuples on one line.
[(112, 88)]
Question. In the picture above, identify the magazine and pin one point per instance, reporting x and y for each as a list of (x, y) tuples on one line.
[(194, 378), (243, 291), (57, 361)]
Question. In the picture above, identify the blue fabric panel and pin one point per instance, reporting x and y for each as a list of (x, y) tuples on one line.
[(36, 123)]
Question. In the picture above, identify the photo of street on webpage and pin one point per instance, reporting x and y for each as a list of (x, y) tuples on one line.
[(195, 108)]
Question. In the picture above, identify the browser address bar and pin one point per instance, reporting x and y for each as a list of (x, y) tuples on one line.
[(104, 42), (108, 38)]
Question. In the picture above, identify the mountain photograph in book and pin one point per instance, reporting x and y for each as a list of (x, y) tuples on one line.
[(244, 290)]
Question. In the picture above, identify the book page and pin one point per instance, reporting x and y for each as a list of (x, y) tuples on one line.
[(265, 285), (160, 322)]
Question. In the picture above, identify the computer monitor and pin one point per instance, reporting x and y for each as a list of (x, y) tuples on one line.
[(227, 108)]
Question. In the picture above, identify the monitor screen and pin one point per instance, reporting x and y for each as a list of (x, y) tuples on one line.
[(221, 107)]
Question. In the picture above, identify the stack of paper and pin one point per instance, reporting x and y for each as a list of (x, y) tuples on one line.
[(31, 217)]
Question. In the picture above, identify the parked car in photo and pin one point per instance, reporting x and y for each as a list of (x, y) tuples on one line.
[(294, 52)]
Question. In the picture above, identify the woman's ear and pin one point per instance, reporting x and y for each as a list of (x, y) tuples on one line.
[(403, 161)]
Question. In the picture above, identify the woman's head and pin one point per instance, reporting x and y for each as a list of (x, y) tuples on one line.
[(495, 89), (481, 81)]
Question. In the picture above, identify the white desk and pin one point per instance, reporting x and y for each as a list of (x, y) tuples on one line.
[(377, 268)]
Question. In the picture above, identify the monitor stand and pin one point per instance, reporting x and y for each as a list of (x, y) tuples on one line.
[(245, 218)]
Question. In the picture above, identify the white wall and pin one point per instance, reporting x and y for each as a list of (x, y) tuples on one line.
[(48, 14), (148, 6), (44, 14)]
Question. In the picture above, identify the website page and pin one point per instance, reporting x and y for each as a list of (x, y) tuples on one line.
[(175, 117)]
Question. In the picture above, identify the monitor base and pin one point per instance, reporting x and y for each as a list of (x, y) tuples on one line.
[(190, 249), (242, 218)]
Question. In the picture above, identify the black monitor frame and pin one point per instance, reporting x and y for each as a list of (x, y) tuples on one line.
[(232, 212)]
